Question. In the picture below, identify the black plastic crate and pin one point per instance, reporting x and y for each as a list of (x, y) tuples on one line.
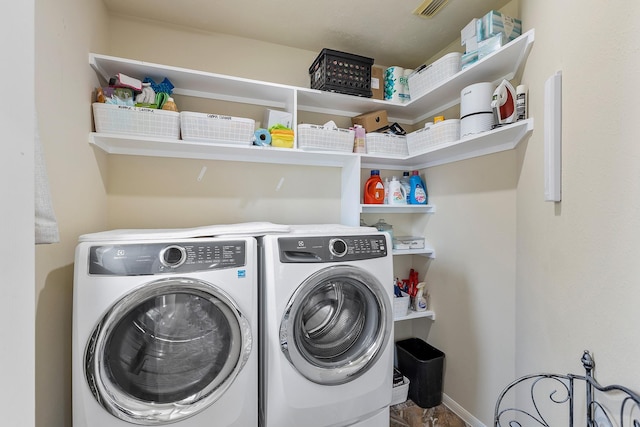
[(341, 72)]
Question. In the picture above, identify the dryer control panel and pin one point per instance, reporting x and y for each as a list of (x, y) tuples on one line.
[(331, 249), (155, 258)]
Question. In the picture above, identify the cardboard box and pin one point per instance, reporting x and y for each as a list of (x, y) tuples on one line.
[(377, 82), (372, 121), (274, 117)]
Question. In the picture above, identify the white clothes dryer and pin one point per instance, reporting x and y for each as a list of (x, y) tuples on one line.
[(165, 331), (326, 330)]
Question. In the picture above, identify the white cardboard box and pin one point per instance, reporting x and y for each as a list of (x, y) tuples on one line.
[(274, 117)]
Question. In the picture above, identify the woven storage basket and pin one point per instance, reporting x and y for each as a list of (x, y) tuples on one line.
[(201, 127), (431, 76), (387, 144), (426, 139), (123, 119), (314, 137), (400, 392)]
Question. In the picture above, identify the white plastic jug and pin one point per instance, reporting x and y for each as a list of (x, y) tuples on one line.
[(397, 192)]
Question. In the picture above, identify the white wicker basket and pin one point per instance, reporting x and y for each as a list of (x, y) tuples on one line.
[(425, 139), (400, 393), (401, 305), (434, 74), (202, 127), (121, 119), (317, 138), (387, 144)]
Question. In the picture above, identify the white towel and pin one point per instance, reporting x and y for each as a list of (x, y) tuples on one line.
[(46, 226)]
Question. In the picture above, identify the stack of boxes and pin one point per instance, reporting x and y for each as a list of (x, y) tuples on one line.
[(487, 34)]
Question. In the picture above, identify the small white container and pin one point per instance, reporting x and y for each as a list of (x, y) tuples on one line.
[(431, 137), (319, 138), (401, 305), (387, 144), (400, 392), (432, 75), (121, 119), (215, 128)]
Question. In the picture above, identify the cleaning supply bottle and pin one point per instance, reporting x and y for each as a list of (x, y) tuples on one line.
[(420, 300), (359, 140), (397, 193), (418, 193), (386, 191), (374, 189), (405, 183), (170, 105)]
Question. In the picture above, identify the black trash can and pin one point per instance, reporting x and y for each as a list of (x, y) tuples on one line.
[(423, 365)]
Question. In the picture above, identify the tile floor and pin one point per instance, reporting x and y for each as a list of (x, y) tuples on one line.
[(408, 414)]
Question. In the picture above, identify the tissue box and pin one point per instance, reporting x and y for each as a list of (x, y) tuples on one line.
[(469, 36), (496, 22), (372, 121), (493, 43), (468, 59), (408, 242), (274, 117)]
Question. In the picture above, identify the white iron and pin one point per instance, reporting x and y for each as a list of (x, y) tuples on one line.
[(503, 103)]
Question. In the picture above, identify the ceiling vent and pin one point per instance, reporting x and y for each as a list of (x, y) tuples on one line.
[(428, 8)]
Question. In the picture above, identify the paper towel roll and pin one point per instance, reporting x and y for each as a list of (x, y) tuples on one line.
[(392, 83), (262, 137), (404, 80)]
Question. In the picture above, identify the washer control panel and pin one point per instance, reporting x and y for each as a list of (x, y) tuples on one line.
[(331, 249), (155, 258)]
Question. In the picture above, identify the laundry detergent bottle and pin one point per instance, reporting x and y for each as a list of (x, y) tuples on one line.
[(418, 193), (397, 193), (374, 189), (405, 183)]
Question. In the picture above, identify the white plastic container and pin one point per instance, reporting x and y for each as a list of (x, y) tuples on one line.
[(215, 128), (432, 75), (387, 144), (123, 119), (400, 392), (316, 137), (427, 139)]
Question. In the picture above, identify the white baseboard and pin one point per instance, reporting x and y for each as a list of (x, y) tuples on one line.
[(461, 412)]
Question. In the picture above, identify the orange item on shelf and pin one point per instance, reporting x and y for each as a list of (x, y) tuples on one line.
[(374, 189)]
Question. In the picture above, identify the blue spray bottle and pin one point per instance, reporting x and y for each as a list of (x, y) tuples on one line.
[(418, 194)]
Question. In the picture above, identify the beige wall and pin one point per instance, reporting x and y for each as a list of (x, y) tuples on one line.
[(577, 269), (519, 284)]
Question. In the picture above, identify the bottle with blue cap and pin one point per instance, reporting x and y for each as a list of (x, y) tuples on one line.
[(418, 194)]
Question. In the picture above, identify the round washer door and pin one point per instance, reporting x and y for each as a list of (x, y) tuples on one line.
[(166, 351), (336, 325)]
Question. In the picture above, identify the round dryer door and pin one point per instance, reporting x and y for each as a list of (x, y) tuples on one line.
[(166, 351), (336, 324)]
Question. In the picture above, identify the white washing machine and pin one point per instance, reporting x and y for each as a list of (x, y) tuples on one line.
[(326, 352), (165, 331)]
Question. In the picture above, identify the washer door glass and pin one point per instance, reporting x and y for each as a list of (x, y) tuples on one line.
[(336, 324), (166, 351)]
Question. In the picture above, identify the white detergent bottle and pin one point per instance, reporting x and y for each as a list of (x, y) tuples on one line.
[(397, 192)]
